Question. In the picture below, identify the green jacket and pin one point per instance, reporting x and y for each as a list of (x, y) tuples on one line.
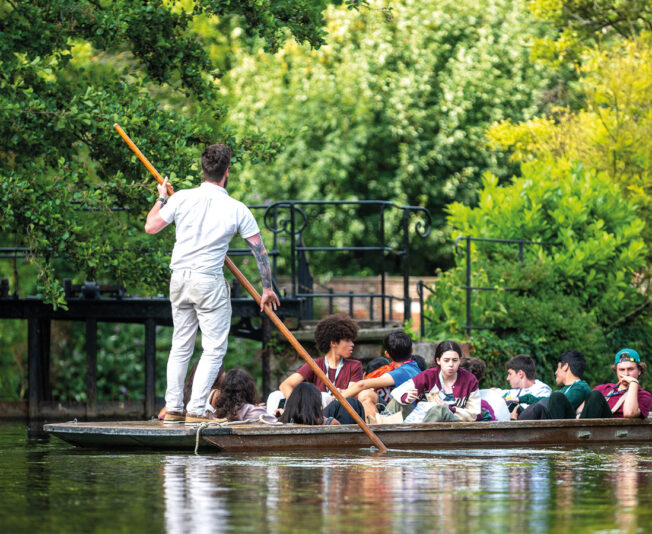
[(575, 393)]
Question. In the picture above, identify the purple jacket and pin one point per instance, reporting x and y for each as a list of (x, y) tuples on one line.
[(249, 411), (466, 392)]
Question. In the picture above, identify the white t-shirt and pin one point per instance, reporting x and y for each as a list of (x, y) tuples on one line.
[(538, 389), (206, 219)]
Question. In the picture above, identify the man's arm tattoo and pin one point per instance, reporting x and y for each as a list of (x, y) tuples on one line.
[(262, 261)]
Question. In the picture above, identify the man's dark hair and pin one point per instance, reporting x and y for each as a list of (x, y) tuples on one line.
[(237, 388), (214, 161), (398, 345), (421, 362), (303, 406), (475, 366), (523, 362), (334, 328), (575, 360), (376, 363)]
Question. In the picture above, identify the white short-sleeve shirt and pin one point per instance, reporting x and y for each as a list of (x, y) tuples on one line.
[(206, 220), (538, 389)]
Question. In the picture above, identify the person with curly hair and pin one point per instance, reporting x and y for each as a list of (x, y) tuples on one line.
[(334, 337), (238, 398)]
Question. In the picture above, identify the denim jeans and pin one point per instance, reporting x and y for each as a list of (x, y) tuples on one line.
[(198, 300)]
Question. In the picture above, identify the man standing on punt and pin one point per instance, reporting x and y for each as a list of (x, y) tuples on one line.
[(206, 219)]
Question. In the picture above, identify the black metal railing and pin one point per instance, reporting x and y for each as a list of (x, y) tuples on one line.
[(291, 226), (293, 218), (468, 288), (421, 286)]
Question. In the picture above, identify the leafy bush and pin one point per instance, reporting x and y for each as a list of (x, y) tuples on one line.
[(565, 295), (13, 362), (611, 133), (121, 360)]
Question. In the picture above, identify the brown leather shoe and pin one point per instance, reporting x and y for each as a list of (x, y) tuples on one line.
[(174, 417), (207, 417)]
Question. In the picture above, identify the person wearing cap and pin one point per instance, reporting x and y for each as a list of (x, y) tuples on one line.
[(625, 398)]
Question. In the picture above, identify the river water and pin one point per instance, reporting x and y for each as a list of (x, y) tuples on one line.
[(54, 487)]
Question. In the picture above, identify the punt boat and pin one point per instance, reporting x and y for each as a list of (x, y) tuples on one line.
[(257, 436)]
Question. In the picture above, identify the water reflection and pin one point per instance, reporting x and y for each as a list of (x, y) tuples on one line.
[(630, 478), (57, 488), (456, 491), (192, 497)]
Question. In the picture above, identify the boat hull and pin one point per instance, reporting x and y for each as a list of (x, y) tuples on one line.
[(259, 437)]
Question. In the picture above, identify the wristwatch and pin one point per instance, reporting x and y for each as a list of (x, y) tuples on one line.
[(163, 201)]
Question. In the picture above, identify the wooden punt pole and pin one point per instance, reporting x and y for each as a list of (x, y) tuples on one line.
[(268, 311)]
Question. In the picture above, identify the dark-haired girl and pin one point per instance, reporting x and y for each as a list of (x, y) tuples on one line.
[(303, 407), (442, 393), (238, 397)]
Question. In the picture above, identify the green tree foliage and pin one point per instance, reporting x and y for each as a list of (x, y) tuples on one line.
[(393, 107), (69, 70), (568, 294), (612, 133), (590, 291), (578, 23)]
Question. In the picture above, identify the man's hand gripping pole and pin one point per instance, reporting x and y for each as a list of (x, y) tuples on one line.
[(268, 311)]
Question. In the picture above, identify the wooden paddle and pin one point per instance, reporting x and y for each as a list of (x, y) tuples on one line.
[(268, 311)]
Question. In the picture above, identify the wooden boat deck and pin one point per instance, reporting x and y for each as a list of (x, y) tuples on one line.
[(261, 437)]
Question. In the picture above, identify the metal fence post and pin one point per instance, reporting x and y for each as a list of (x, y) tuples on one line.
[(91, 367), (468, 286), (407, 301), (422, 325), (150, 367)]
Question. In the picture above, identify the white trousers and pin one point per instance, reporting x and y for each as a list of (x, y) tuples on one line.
[(198, 300)]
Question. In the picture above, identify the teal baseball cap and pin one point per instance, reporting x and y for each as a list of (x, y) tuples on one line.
[(627, 355)]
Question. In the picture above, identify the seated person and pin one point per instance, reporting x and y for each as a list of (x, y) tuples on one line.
[(374, 364), (521, 375), (565, 402), (304, 407), (374, 392), (491, 402), (443, 393), (625, 398), (334, 336), (238, 399)]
